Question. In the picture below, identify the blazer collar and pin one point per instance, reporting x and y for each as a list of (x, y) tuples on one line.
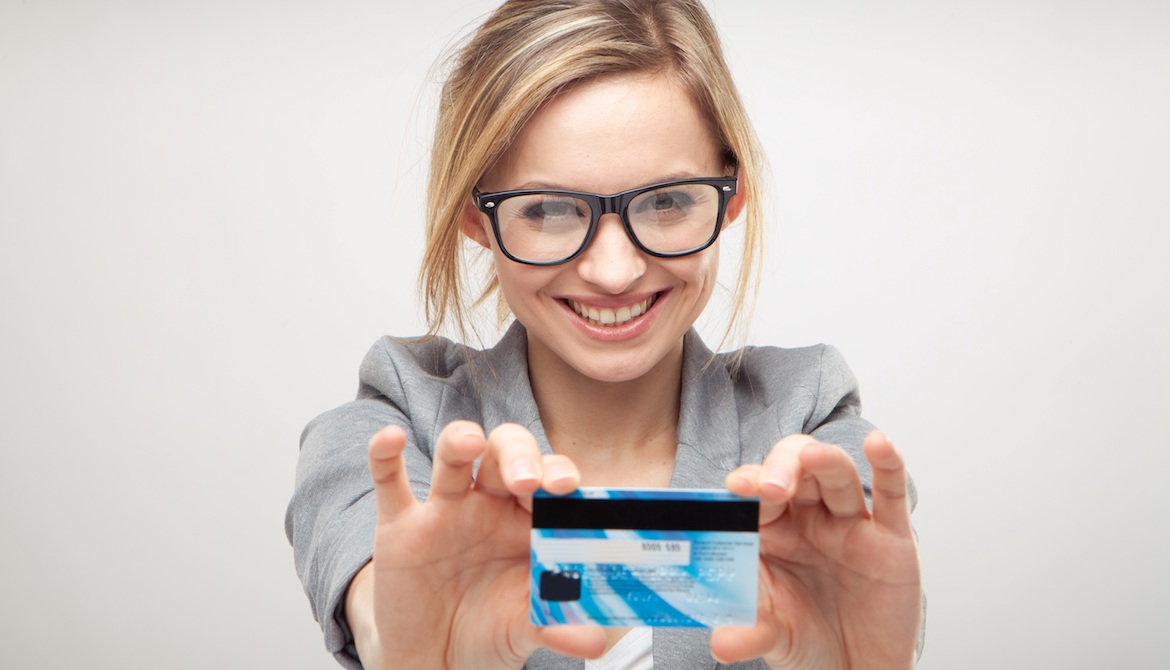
[(708, 427), (506, 395)]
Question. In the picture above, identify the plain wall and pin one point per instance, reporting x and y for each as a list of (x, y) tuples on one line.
[(208, 211)]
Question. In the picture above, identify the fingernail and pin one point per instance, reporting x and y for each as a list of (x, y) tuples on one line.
[(559, 473), (523, 470), (778, 477)]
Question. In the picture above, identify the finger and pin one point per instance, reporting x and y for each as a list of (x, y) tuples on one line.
[(511, 464), (837, 479), (808, 492), (572, 640), (731, 644), (891, 503), (388, 470), (782, 470), (460, 443), (560, 477), (560, 474), (744, 482)]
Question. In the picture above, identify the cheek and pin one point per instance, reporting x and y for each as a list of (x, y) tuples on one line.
[(505, 278), (700, 270), (709, 273), (519, 283), (510, 285), (711, 265)]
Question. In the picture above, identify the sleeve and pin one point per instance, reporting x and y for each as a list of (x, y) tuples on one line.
[(836, 415), (331, 517)]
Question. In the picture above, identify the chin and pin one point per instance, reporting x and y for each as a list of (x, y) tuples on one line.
[(611, 376), (616, 369)]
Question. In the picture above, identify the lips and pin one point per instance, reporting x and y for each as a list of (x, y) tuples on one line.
[(611, 317)]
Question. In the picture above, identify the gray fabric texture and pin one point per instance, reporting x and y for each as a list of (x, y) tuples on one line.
[(724, 421)]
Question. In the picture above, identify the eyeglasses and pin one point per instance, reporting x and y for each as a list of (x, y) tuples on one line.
[(549, 227)]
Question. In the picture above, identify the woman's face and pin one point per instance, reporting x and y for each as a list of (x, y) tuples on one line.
[(613, 313)]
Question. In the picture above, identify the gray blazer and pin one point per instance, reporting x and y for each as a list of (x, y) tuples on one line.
[(724, 421)]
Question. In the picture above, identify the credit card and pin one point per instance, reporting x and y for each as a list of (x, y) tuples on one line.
[(644, 557)]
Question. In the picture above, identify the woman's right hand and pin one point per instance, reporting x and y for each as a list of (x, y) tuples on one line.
[(448, 585)]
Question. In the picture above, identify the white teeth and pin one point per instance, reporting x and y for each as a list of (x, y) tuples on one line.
[(605, 316)]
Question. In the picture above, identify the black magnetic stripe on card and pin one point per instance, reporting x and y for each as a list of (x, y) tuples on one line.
[(731, 515)]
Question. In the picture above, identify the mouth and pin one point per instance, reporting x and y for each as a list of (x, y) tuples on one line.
[(611, 317)]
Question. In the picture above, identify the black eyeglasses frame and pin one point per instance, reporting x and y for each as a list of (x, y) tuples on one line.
[(601, 205)]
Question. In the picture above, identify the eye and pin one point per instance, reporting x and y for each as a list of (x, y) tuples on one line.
[(664, 200), (664, 204), (551, 208)]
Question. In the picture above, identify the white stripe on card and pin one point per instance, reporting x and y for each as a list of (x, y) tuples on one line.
[(550, 550)]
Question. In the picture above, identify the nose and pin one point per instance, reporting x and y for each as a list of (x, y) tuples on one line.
[(611, 261)]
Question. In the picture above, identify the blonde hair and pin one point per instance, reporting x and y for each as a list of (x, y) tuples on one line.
[(524, 54)]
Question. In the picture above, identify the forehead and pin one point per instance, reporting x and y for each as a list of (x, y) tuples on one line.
[(611, 134)]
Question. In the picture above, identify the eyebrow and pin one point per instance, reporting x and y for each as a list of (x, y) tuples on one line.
[(549, 186)]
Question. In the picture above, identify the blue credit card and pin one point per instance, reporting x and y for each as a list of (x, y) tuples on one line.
[(644, 557)]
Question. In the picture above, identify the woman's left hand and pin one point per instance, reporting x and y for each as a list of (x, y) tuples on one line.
[(839, 585)]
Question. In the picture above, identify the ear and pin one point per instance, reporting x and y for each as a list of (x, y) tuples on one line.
[(474, 224), (734, 208)]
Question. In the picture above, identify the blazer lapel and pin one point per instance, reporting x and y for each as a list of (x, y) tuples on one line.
[(708, 429), (506, 392)]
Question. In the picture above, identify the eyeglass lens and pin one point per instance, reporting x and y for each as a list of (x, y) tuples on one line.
[(548, 227)]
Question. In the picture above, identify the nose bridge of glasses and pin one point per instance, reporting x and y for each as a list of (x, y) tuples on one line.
[(610, 204), (615, 204), (611, 257)]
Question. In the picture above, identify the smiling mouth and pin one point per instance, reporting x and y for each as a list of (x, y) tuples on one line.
[(611, 317)]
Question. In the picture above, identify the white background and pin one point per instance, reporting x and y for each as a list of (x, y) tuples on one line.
[(208, 211)]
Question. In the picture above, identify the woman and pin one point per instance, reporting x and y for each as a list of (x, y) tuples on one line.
[(595, 148)]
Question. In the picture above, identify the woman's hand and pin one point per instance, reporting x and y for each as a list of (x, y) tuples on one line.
[(839, 585), (449, 585)]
